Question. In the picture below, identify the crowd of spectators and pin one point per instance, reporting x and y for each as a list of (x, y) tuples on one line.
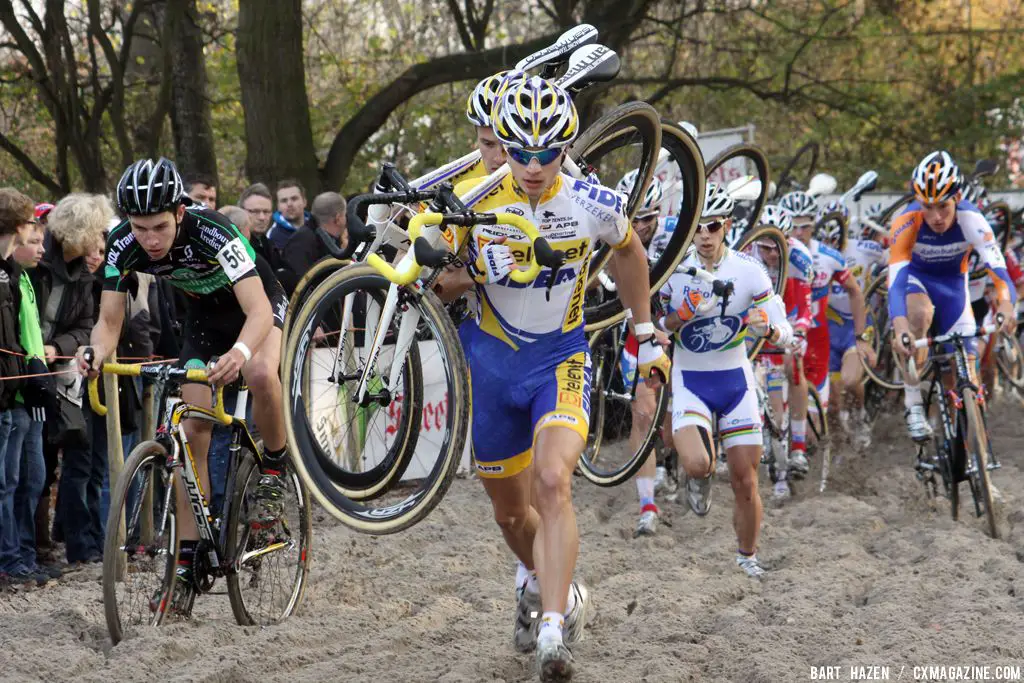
[(54, 484)]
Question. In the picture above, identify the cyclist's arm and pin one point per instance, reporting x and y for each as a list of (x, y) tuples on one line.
[(901, 246), (857, 305), (453, 283), (259, 317), (771, 303), (107, 331), (979, 234)]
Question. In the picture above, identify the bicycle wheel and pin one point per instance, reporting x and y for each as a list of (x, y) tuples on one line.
[(737, 161), (313, 277), (886, 372), (799, 166), (375, 427), (1010, 360), (613, 453), (775, 261), (949, 456), (138, 567), (340, 430), (890, 211), (270, 564), (612, 152), (977, 470)]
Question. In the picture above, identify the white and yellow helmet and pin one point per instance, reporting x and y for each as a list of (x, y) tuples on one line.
[(534, 113), (480, 104)]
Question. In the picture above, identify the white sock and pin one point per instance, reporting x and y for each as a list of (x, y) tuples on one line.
[(551, 626), (532, 585), (912, 396), (522, 574), (645, 490)]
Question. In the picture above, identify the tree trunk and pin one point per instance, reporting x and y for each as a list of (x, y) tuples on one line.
[(272, 74), (190, 109)]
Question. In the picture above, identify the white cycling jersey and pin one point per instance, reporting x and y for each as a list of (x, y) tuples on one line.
[(573, 215), (662, 235), (861, 256), (712, 341)]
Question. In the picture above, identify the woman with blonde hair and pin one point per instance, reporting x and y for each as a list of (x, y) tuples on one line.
[(63, 285)]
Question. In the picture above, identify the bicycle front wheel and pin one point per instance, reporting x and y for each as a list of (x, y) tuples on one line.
[(270, 564), (140, 551), (375, 431), (977, 464), (310, 280)]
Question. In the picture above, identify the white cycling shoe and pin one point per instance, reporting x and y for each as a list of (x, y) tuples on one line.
[(576, 619), (698, 495), (780, 491), (917, 423), (750, 565), (554, 661), (528, 612), (798, 464), (647, 524)]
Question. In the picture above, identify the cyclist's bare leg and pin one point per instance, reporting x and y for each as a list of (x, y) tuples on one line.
[(198, 433), (852, 375), (556, 545), (798, 402), (743, 462), (919, 316), (694, 456), (643, 412), (517, 519), (261, 374)]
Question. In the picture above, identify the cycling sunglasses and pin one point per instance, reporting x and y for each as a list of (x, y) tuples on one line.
[(646, 218), (711, 226), (524, 156)]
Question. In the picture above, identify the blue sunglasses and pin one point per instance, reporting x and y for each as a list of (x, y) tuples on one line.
[(543, 157)]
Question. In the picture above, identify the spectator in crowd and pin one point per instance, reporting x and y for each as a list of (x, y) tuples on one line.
[(64, 292), (291, 212), (17, 217), (307, 247), (25, 465), (202, 189), (240, 217), (43, 213), (258, 202)]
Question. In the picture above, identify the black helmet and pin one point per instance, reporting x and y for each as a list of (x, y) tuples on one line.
[(149, 187)]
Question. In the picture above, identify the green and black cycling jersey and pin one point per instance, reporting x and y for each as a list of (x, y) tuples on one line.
[(209, 256)]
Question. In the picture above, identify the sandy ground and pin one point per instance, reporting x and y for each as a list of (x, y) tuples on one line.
[(868, 573)]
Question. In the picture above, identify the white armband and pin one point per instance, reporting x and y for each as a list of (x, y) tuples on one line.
[(244, 349)]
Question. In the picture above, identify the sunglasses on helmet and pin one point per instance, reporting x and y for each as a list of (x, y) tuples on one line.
[(524, 156)]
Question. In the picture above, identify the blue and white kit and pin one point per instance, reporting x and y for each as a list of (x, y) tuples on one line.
[(711, 374)]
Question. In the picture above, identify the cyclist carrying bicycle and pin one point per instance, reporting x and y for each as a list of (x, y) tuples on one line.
[(796, 298), (829, 267), (931, 242), (529, 359), (863, 254), (235, 311), (654, 232), (712, 380)]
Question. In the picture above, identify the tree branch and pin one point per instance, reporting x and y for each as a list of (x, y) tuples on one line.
[(460, 23), (26, 162)]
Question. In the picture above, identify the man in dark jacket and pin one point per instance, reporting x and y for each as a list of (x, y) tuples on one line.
[(291, 212), (307, 246)]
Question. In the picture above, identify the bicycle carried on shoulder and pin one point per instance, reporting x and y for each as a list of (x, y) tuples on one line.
[(265, 566)]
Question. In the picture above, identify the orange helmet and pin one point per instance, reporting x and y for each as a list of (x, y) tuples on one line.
[(936, 178)]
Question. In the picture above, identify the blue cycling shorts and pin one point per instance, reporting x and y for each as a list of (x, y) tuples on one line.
[(517, 393)]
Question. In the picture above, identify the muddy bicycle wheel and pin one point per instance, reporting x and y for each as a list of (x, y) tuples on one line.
[(978, 449)]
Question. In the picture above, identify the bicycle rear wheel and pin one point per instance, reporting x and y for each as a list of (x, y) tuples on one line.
[(420, 470), (734, 162), (620, 141), (270, 565), (310, 280), (977, 448), (801, 165), (1010, 360), (610, 457), (139, 567), (816, 418)]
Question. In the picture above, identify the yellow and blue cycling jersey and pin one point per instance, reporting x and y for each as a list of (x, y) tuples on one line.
[(528, 357)]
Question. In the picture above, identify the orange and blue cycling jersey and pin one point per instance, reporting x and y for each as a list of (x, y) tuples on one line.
[(922, 260)]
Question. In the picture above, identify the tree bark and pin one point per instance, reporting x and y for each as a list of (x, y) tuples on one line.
[(191, 123), (614, 19), (272, 75)]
